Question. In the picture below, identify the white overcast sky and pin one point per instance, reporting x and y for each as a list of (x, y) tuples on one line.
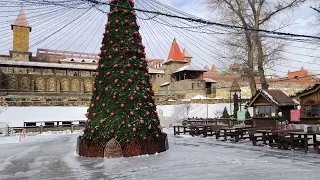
[(85, 35)]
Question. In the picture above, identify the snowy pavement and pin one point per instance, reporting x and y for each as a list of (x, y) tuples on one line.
[(54, 157)]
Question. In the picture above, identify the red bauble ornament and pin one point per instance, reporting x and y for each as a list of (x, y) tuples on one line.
[(100, 82), (145, 97), (122, 105), (116, 81), (94, 114), (112, 131), (106, 89), (139, 51), (116, 50), (103, 105), (102, 65), (90, 99), (157, 135), (133, 23), (141, 121), (151, 105), (148, 113), (126, 21), (87, 114), (136, 32), (143, 82), (127, 50), (136, 73), (149, 127), (97, 74), (159, 127), (134, 129), (101, 121), (108, 73), (116, 10), (107, 32), (146, 74), (131, 98), (134, 57), (105, 51), (92, 105), (88, 121), (137, 89), (121, 41), (140, 66), (99, 54), (148, 89), (115, 66), (123, 88), (94, 89), (132, 42), (111, 42), (131, 113), (97, 98), (154, 120), (121, 57), (117, 30), (122, 72), (128, 65), (108, 14), (123, 123), (100, 59), (130, 81), (127, 32), (114, 97), (117, 21), (140, 104), (112, 114), (110, 57), (92, 131), (125, 11)]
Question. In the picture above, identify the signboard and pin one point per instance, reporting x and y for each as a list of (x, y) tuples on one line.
[(241, 115)]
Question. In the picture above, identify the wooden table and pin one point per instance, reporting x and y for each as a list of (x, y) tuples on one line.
[(235, 131), (266, 135), (305, 138)]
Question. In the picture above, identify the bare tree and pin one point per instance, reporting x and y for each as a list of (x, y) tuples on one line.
[(181, 112), (251, 46)]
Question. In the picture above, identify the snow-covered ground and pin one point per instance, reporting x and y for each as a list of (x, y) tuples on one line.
[(16, 116), (53, 157)]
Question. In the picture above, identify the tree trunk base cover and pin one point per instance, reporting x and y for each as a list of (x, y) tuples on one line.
[(114, 149)]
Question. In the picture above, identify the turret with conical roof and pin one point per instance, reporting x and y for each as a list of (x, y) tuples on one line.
[(21, 33)]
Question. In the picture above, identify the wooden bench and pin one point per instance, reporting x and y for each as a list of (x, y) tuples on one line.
[(283, 140), (253, 137)]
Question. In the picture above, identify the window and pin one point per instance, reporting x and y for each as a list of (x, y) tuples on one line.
[(311, 109), (265, 111)]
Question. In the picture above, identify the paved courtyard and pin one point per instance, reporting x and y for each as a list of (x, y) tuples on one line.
[(54, 157)]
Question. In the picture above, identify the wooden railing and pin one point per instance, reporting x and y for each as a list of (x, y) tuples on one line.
[(41, 129)]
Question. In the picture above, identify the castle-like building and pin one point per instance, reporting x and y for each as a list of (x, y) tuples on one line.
[(57, 77)]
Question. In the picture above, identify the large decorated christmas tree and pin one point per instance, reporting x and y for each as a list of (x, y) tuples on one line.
[(122, 112)]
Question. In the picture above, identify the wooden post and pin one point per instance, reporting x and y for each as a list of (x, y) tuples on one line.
[(71, 128), (41, 129), (8, 131)]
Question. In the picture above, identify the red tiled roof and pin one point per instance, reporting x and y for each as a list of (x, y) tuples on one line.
[(175, 52)]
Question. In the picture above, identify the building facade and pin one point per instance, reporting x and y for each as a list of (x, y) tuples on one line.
[(60, 76)]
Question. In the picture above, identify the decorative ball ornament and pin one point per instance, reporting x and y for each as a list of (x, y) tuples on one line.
[(112, 114), (149, 127), (101, 121), (116, 50), (146, 74), (116, 10), (105, 51), (128, 65), (145, 97), (114, 97), (107, 32), (137, 88), (148, 89), (90, 99), (136, 33), (131, 98), (125, 11), (134, 57), (97, 74), (159, 127), (122, 72), (108, 73), (88, 121), (132, 42), (122, 41), (117, 30), (97, 98), (121, 57), (154, 120), (116, 81), (139, 51), (127, 50), (92, 131), (143, 82), (157, 135), (148, 113), (100, 82), (141, 121), (112, 131), (130, 81), (94, 89), (136, 73), (110, 57), (140, 104), (94, 114), (123, 123), (110, 42), (87, 114), (140, 66), (123, 88), (92, 105), (103, 105), (122, 105), (127, 32), (126, 21), (131, 113), (134, 129), (117, 21), (102, 65), (115, 66)]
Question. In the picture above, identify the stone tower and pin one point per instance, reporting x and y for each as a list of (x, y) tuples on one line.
[(21, 33)]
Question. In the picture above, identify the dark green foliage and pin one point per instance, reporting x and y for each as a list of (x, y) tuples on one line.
[(248, 116), (122, 100), (225, 113), (235, 111)]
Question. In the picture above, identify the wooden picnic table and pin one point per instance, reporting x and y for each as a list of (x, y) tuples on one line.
[(235, 132), (266, 135), (305, 138)]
